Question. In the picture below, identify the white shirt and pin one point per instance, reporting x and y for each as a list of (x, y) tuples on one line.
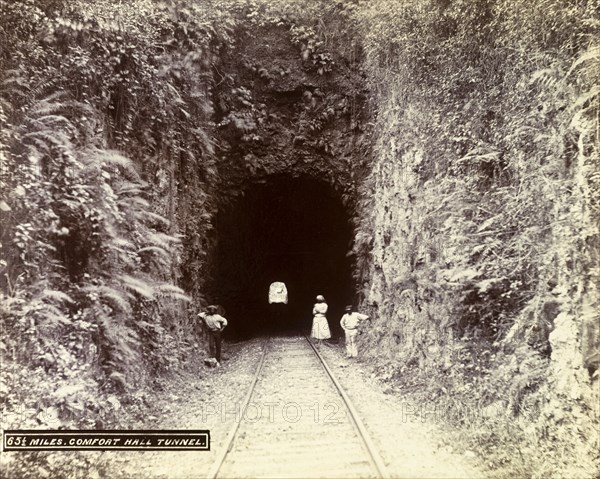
[(350, 320), (278, 293), (215, 322)]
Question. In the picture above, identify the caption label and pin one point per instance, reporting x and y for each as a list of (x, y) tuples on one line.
[(35, 440)]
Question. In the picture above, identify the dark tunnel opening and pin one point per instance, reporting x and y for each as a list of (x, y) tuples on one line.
[(294, 230)]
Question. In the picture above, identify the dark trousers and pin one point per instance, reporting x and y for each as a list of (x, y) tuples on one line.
[(214, 344)]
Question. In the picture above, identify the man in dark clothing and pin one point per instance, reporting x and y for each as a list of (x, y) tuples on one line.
[(215, 323)]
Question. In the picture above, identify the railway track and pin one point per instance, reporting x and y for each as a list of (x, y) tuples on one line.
[(296, 421)]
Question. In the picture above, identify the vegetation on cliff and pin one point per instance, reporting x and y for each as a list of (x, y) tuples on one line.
[(481, 241), (462, 136), (102, 117)]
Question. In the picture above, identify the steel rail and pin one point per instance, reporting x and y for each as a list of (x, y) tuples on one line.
[(373, 453), (214, 470)]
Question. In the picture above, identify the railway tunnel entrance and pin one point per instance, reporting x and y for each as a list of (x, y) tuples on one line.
[(294, 230)]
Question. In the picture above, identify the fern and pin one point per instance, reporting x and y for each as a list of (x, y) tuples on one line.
[(161, 252), (133, 204), (129, 188), (117, 299), (149, 216), (170, 291), (49, 105), (122, 244), (51, 138), (59, 296), (116, 159), (137, 285), (547, 78), (591, 55)]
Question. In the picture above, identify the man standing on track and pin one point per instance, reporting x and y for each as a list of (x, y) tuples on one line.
[(215, 324), (349, 324)]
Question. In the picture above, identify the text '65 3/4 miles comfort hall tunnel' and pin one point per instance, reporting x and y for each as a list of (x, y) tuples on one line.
[(294, 230)]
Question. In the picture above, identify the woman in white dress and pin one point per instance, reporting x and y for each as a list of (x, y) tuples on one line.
[(320, 327)]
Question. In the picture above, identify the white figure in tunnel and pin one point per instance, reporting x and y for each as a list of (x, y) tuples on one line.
[(278, 298), (320, 327)]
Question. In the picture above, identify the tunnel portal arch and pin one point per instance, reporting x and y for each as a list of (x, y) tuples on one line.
[(291, 229)]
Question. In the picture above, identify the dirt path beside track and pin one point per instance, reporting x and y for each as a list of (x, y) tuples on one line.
[(412, 444)]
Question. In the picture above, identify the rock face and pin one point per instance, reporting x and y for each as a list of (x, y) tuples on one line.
[(288, 105), (421, 292), (480, 266), (284, 108), (474, 260)]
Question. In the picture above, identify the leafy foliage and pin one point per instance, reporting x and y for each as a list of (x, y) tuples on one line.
[(81, 246), (101, 118), (477, 229), (483, 229)]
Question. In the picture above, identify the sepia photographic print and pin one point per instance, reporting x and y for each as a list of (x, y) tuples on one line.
[(299, 239)]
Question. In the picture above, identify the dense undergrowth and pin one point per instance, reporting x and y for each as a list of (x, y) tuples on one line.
[(477, 238), (115, 120), (481, 240), (102, 117)]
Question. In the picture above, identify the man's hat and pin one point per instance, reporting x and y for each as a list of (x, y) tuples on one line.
[(212, 309), (348, 307)]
